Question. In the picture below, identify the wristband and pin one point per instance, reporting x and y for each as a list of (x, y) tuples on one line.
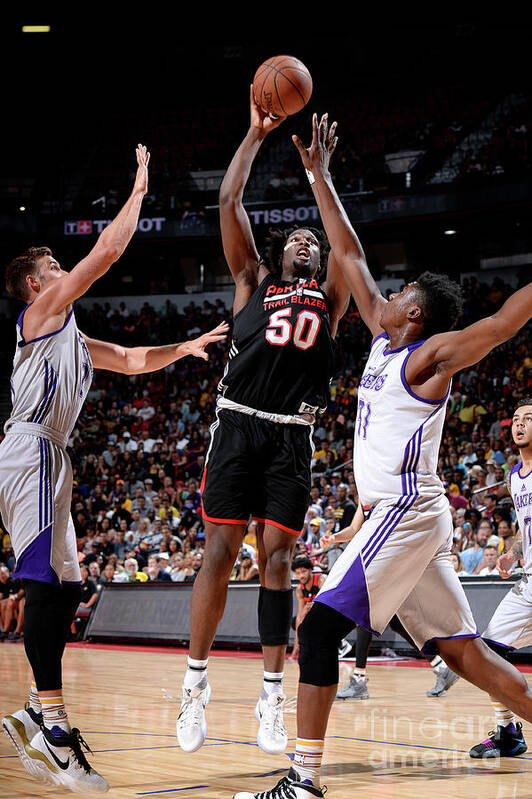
[(310, 176)]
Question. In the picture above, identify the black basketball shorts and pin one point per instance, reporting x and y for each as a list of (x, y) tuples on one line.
[(259, 469)]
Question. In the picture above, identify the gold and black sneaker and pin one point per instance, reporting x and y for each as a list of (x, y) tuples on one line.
[(58, 756)]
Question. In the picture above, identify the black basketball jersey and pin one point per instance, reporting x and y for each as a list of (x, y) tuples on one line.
[(310, 593), (282, 355)]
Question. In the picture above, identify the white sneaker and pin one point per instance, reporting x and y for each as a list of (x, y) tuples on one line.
[(19, 728), (272, 736), (191, 726), (61, 760)]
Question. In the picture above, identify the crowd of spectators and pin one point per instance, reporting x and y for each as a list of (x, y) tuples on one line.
[(139, 446), (507, 151), (433, 121)]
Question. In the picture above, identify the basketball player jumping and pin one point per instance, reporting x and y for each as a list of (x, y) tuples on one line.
[(52, 373), (399, 561), (511, 625), (258, 462)]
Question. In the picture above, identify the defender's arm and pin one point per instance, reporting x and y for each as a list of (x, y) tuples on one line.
[(343, 239), (137, 360), (110, 245), (431, 366)]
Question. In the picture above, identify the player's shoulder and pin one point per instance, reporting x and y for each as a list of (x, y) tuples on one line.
[(35, 323)]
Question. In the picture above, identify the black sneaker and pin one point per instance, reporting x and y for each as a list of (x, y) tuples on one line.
[(289, 787), (505, 742)]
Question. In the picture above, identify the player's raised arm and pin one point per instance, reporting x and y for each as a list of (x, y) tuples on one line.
[(112, 242), (344, 242), (237, 238), (431, 366), (137, 360)]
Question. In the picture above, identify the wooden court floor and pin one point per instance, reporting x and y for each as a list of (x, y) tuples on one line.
[(399, 743)]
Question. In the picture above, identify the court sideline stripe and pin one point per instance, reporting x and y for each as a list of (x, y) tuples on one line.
[(172, 790)]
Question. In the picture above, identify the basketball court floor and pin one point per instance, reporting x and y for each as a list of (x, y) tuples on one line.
[(399, 743)]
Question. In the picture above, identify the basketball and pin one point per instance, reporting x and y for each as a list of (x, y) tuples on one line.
[(282, 85)]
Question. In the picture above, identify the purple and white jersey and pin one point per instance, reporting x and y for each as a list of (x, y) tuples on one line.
[(397, 433), (521, 491), (51, 377)]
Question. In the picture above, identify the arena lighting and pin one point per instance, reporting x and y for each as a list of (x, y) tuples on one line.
[(450, 232), (22, 208), (36, 29)]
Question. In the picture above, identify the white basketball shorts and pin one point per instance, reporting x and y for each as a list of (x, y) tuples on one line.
[(511, 624), (35, 497), (399, 562)]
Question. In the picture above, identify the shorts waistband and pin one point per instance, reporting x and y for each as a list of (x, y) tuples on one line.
[(279, 418), (38, 430)]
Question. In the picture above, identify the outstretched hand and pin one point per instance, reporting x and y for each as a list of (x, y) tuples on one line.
[(327, 541), (196, 346), (141, 179), (504, 565), (260, 120), (323, 144)]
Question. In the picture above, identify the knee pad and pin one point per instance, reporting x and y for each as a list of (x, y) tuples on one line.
[(319, 635), (275, 609)]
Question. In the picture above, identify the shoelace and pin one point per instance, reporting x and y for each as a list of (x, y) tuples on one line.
[(283, 790), (75, 744), (190, 712), (272, 718)]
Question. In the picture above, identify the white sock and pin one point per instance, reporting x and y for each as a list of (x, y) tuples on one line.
[(54, 713), (503, 716), (196, 671), (359, 672), (273, 683), (307, 759), (33, 698), (437, 663)]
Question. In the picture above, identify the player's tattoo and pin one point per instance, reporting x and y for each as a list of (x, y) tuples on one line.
[(517, 548)]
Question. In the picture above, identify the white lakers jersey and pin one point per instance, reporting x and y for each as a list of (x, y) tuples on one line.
[(521, 491), (397, 433), (51, 377)]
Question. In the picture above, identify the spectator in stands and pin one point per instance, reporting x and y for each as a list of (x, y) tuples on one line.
[(149, 493), (155, 573), (490, 502), (89, 596), (506, 537), (132, 572), (107, 575), (181, 567), (247, 570), (458, 566), (11, 605), (197, 561), (473, 557), (346, 506), (311, 533), (488, 567)]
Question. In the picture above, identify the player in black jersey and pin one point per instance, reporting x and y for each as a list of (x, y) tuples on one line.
[(309, 584), (258, 462)]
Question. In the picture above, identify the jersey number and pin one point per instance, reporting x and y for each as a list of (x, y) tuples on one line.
[(364, 412), (303, 333)]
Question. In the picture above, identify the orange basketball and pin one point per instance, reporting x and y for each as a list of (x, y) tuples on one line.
[(282, 85)]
